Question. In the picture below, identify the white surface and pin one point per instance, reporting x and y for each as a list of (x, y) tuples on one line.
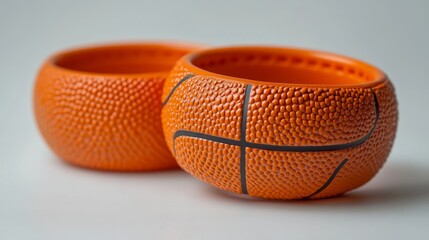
[(43, 198)]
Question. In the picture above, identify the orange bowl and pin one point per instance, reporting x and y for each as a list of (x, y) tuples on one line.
[(99, 107), (277, 122)]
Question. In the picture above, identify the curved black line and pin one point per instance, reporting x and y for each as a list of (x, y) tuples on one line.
[(325, 147), (185, 133), (175, 87), (286, 148), (243, 139), (330, 179)]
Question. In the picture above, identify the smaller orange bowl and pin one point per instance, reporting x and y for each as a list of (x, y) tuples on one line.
[(99, 107), (280, 123)]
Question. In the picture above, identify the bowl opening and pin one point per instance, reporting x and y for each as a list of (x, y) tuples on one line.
[(121, 59), (282, 65)]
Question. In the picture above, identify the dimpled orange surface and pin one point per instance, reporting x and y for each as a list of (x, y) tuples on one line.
[(100, 107), (279, 123)]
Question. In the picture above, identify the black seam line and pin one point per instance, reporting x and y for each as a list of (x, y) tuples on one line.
[(243, 139), (175, 87), (185, 133), (330, 179), (261, 146)]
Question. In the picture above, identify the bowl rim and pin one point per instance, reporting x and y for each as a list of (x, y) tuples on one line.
[(187, 61), (51, 61)]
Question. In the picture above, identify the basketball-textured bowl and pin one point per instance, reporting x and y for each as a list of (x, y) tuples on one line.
[(99, 107), (279, 123)]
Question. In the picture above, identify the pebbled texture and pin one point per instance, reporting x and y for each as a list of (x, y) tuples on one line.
[(201, 158), (305, 116), (105, 123), (216, 111), (109, 120), (280, 116)]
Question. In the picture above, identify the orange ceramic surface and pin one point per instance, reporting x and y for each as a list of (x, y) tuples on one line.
[(279, 123), (99, 107)]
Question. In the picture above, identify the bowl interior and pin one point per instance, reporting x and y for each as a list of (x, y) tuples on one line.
[(121, 59), (282, 65)]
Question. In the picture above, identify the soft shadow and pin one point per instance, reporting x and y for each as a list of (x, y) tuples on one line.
[(75, 167), (395, 184)]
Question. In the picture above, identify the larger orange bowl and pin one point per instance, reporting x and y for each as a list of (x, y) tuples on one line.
[(100, 106), (279, 123)]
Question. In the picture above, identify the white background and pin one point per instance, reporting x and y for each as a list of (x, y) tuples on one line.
[(43, 198)]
